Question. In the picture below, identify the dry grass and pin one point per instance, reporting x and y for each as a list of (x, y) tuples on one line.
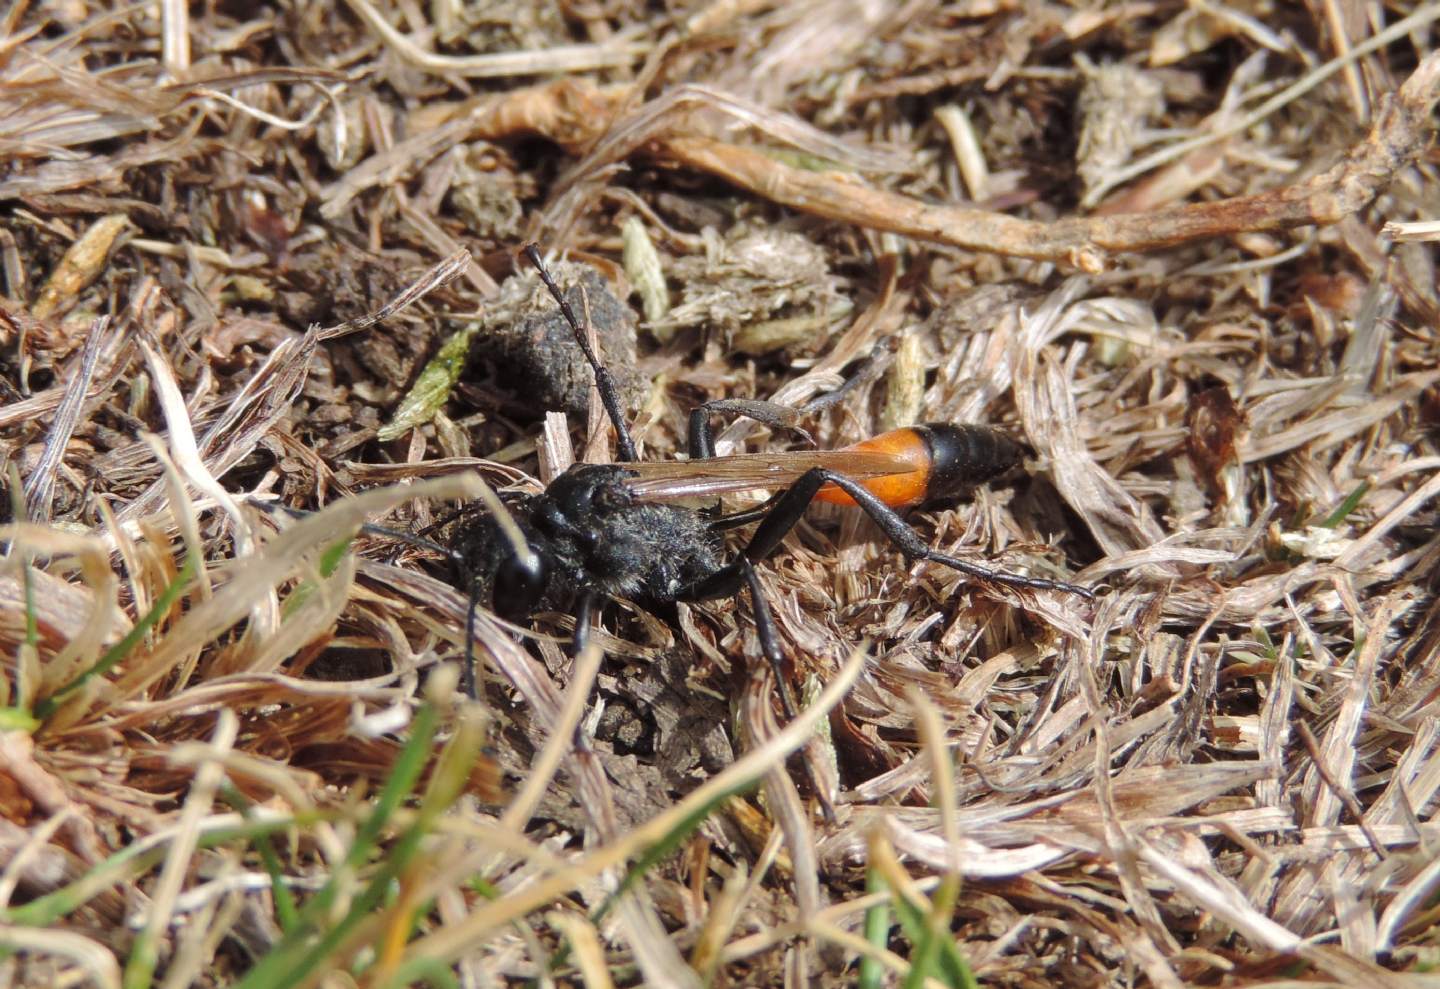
[(1185, 250)]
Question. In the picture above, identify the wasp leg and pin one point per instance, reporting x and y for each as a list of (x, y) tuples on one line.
[(770, 646), (584, 608), (769, 641), (791, 506), (700, 442), (467, 675), (740, 519)]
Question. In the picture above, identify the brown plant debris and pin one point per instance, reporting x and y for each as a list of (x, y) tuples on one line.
[(523, 333), (263, 331)]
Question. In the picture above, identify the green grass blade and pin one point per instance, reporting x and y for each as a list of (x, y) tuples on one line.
[(129, 863), (287, 914), (304, 948), (662, 848), (123, 648), (1351, 502), (878, 920)]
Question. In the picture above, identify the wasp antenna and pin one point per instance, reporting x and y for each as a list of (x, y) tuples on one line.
[(408, 538), (604, 382)]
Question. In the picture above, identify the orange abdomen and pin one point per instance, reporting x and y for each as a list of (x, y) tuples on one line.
[(946, 459), (895, 490)]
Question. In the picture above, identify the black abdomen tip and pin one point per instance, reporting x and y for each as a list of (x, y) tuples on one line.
[(962, 456)]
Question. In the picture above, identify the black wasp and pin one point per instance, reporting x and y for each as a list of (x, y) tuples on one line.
[(607, 530)]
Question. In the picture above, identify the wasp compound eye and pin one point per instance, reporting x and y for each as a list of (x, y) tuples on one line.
[(520, 583)]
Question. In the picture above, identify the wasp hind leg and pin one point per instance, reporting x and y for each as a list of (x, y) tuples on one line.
[(701, 439), (790, 506)]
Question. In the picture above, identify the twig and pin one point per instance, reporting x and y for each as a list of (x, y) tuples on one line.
[(1345, 795), (1401, 129), (432, 279), (574, 112), (564, 58)]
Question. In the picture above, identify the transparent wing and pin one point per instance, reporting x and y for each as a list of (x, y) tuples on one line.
[(674, 479)]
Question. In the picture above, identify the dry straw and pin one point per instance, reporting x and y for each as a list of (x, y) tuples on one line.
[(1185, 252)]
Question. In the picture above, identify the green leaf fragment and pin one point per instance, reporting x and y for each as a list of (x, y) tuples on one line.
[(433, 387), (1351, 502)]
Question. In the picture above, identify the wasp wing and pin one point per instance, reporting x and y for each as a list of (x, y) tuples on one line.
[(707, 477)]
